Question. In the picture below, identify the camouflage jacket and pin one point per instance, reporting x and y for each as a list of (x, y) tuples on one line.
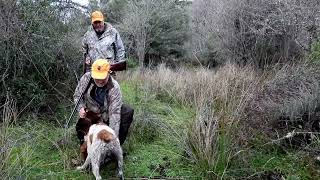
[(110, 111), (108, 46)]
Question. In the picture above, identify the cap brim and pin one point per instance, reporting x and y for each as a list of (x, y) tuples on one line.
[(99, 75), (97, 19)]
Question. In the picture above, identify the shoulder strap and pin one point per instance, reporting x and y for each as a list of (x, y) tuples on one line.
[(89, 83), (114, 50)]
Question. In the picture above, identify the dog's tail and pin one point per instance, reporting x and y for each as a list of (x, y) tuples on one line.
[(105, 135)]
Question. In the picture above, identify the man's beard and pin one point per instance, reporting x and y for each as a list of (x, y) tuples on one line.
[(100, 85), (100, 31)]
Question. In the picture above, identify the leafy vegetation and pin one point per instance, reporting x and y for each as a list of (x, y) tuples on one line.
[(167, 139), (315, 52), (253, 114), (41, 148)]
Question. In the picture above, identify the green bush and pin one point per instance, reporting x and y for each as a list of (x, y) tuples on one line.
[(132, 63), (38, 54), (315, 52)]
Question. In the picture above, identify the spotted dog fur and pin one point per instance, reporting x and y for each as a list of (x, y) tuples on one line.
[(101, 142)]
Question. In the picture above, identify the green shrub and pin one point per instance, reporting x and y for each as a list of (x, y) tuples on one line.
[(132, 63), (315, 52), (38, 53)]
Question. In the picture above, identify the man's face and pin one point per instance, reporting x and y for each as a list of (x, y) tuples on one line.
[(101, 82), (98, 26)]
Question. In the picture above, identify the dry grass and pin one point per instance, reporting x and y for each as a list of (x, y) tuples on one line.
[(9, 113), (288, 92), (219, 99), (232, 104)]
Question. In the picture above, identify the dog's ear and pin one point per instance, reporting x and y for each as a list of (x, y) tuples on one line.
[(105, 135), (83, 125)]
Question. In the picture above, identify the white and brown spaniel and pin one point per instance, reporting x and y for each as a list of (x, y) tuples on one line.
[(101, 142)]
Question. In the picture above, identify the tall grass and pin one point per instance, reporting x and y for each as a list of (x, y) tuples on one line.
[(9, 113), (219, 99), (288, 92), (147, 125), (232, 104), (31, 148)]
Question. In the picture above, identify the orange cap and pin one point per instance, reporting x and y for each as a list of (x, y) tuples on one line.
[(97, 16), (100, 69)]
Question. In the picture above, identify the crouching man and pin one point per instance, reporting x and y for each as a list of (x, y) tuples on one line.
[(102, 95)]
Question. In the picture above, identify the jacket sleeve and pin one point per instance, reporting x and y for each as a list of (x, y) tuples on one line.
[(84, 46), (115, 99), (82, 84), (119, 48)]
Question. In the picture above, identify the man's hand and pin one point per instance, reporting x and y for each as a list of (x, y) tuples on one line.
[(82, 112)]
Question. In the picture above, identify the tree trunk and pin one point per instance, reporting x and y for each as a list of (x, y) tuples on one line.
[(141, 54)]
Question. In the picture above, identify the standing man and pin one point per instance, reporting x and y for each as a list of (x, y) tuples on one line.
[(102, 41)]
